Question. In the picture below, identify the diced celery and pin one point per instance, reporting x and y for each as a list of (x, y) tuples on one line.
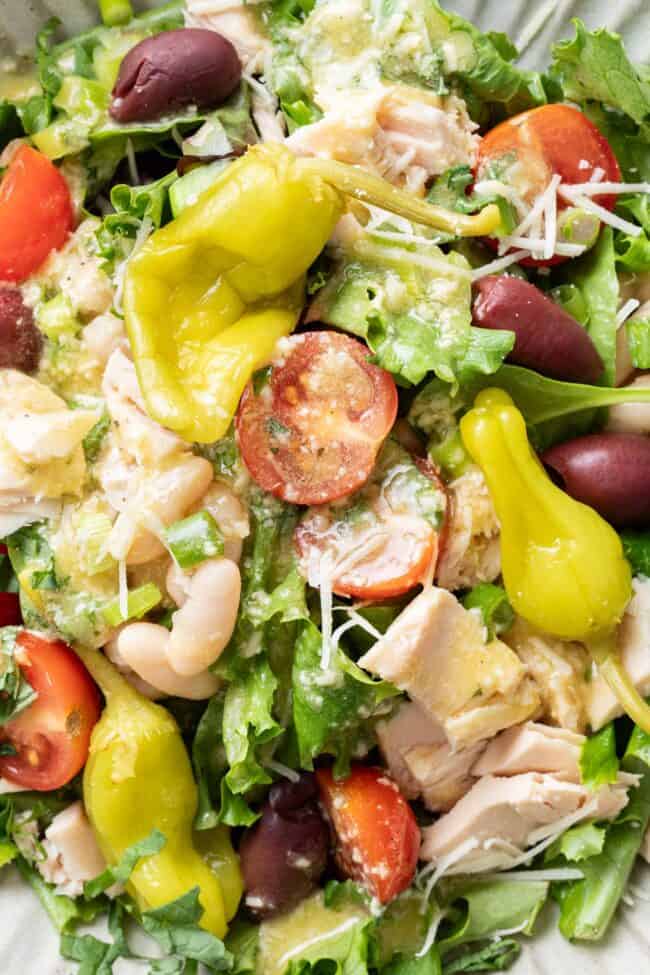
[(194, 539), (450, 455), (82, 98), (93, 530), (108, 56), (186, 190), (56, 317), (61, 139), (140, 601), (115, 11), (578, 226)]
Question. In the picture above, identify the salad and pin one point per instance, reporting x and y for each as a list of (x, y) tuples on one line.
[(324, 487)]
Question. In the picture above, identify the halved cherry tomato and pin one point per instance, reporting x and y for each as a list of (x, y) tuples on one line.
[(535, 145), (36, 213), (312, 433), (10, 609), (377, 837), (406, 550), (50, 737)]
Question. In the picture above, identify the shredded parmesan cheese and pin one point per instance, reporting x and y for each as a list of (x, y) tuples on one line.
[(626, 310), (499, 265)]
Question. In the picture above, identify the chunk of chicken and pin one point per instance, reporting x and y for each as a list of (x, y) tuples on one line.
[(41, 453), (101, 337), (435, 651), (236, 21), (634, 645), (72, 852), (407, 135), (76, 270), (421, 760), (472, 553), (499, 818), (560, 670), (142, 438), (533, 747)]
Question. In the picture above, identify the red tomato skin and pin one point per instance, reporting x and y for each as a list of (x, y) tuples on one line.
[(36, 214), (10, 614), (290, 470), (563, 136), (417, 571), (55, 730), (377, 836)]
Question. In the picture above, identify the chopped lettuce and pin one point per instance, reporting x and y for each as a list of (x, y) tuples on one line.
[(587, 906), (496, 956), (484, 70), (636, 546), (594, 66), (494, 606), (595, 276), (333, 708), (412, 304), (598, 760), (242, 727), (578, 843), (16, 693), (478, 909)]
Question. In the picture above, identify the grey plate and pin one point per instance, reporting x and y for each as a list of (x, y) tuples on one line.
[(28, 946)]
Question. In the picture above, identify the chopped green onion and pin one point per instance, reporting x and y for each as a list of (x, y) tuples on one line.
[(638, 338), (577, 226), (571, 298), (115, 11), (194, 539), (56, 317), (93, 530), (140, 601)]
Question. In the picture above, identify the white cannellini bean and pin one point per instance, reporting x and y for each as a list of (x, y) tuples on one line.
[(230, 515), (204, 623), (142, 647), (167, 496), (631, 417)]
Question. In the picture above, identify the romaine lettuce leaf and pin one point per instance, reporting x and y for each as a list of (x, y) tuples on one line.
[(482, 908), (241, 727), (594, 66), (587, 906), (595, 275), (412, 304), (333, 709), (598, 760)]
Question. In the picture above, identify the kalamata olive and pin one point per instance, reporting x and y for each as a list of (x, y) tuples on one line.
[(284, 854), (608, 471), (171, 70), (20, 340), (547, 338)]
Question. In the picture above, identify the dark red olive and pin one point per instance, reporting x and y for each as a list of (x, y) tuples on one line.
[(547, 338), (20, 340), (285, 853), (608, 471), (173, 70)]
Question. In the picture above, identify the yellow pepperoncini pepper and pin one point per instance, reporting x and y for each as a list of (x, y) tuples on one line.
[(207, 297), (138, 778), (563, 565)]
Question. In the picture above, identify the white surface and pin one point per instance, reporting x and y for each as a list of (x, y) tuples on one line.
[(28, 945)]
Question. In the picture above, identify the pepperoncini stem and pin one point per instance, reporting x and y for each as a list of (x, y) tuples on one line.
[(108, 679), (605, 652), (563, 565), (367, 188)]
